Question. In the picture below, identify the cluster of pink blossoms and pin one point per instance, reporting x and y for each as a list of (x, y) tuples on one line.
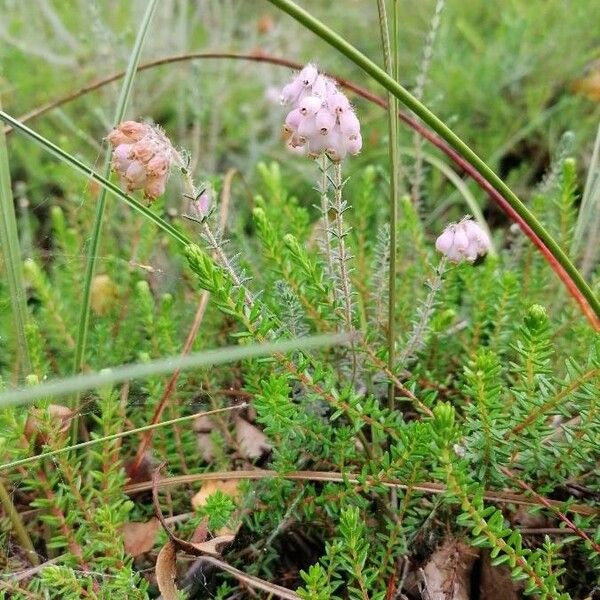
[(465, 240), (322, 119), (142, 157)]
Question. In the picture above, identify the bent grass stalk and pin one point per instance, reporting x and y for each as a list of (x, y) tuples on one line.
[(526, 217), (162, 366), (11, 250), (84, 315)]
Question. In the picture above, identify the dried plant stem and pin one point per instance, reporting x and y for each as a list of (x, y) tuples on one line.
[(503, 497), (390, 64), (84, 315)]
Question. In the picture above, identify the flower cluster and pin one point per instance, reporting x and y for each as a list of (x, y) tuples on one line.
[(465, 240), (142, 157), (322, 119)]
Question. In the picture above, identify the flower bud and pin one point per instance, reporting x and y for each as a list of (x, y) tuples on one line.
[(465, 240), (310, 105)]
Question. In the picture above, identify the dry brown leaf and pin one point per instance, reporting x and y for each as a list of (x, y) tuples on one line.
[(37, 426), (496, 582), (203, 427), (139, 537), (590, 84), (252, 441), (213, 547), (448, 573), (104, 294), (165, 571), (227, 486)]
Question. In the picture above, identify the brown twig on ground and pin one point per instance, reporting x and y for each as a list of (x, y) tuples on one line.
[(554, 507), (504, 497), (201, 549)]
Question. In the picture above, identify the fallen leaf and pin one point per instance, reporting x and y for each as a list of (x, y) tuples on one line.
[(448, 572), (139, 537), (39, 425), (252, 441), (103, 294), (213, 547), (203, 427), (496, 582), (590, 84), (165, 571), (227, 486)]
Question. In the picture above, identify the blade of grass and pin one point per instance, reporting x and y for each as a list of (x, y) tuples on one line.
[(84, 315), (11, 250), (208, 358), (432, 121), (394, 190), (87, 171)]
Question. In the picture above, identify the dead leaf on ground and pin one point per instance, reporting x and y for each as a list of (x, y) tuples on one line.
[(39, 425), (214, 547), (203, 427), (166, 570), (496, 582), (139, 537), (589, 85), (104, 294), (227, 486), (252, 441), (448, 573)]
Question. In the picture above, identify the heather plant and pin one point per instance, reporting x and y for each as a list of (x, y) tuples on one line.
[(311, 377)]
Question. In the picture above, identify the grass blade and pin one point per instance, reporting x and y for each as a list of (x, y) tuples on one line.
[(11, 250), (162, 366), (90, 268)]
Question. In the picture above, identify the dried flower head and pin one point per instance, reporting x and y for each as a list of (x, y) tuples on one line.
[(322, 119), (465, 240), (142, 156)]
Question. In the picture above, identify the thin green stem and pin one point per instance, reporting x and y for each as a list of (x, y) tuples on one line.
[(390, 67), (87, 171), (90, 268), (419, 109), (11, 250)]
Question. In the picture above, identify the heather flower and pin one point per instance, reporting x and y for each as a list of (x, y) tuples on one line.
[(465, 240), (142, 156), (202, 203), (321, 119)]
